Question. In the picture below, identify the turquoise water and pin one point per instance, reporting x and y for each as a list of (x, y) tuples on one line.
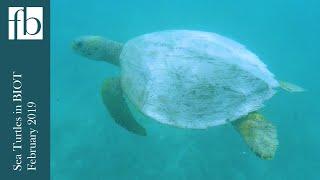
[(88, 145)]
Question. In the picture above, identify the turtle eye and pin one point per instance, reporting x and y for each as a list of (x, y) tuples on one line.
[(79, 44)]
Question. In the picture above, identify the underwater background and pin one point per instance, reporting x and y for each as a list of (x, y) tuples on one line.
[(86, 144)]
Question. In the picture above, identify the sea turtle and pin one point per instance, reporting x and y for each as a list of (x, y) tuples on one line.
[(188, 79)]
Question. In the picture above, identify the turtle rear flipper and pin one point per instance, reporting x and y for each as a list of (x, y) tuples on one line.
[(114, 101), (259, 134), (290, 87)]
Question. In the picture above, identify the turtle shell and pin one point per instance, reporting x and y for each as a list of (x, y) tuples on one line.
[(193, 79)]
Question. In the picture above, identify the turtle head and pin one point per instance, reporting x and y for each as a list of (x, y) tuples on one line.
[(98, 48)]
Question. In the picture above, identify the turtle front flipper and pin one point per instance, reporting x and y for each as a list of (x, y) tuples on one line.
[(114, 101), (259, 134)]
